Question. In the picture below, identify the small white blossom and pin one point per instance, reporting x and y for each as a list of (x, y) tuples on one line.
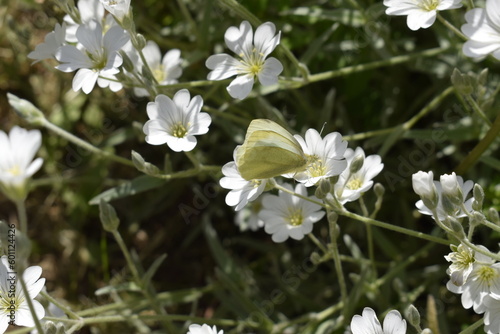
[(492, 314), (367, 323), (483, 280), (117, 8), (421, 13), (242, 191), (98, 56), (165, 70), (350, 186), (449, 209), (20, 313), (252, 51), (462, 262), (483, 30), (89, 10), (287, 215), (53, 40), (205, 329), (248, 218), (325, 157), (176, 122), (16, 164), (423, 185)]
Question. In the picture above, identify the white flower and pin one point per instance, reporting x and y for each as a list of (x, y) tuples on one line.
[(166, 70), (16, 309), (16, 165), (367, 323), (248, 217), (449, 209), (449, 185), (423, 185), (53, 40), (325, 157), (242, 191), (118, 8), (421, 13), (252, 51), (89, 10), (483, 30), (287, 215), (483, 280), (350, 186), (205, 329), (462, 262), (97, 56), (176, 122), (492, 314)]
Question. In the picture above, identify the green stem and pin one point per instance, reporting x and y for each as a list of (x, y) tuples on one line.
[(63, 307), (83, 144), (28, 299), (135, 273), (189, 172), (317, 243), (373, 65), (430, 106), (23, 217), (472, 328), (451, 27), (478, 109), (469, 244), (394, 228), (479, 149), (334, 250), (369, 235), (291, 192)]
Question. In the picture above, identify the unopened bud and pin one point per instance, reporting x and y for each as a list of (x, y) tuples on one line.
[(456, 227), (461, 82), (493, 215), (323, 188), (108, 216), (334, 179), (426, 331), (356, 163), (451, 189), (143, 166), (413, 316), (49, 327), (26, 110), (379, 190), (478, 193), (315, 258), (424, 186), (477, 218), (127, 64), (139, 42)]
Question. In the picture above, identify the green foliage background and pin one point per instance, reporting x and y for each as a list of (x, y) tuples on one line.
[(212, 269)]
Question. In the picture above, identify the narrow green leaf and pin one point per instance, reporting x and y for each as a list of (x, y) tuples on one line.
[(126, 189), (152, 269)]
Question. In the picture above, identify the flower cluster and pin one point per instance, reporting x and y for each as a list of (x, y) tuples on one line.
[(293, 212), (476, 277)]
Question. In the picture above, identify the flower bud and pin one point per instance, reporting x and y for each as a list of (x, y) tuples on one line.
[(26, 110), (379, 190), (456, 227), (462, 82), (108, 216), (323, 189), (356, 163), (451, 189), (493, 215), (127, 64), (143, 166), (413, 316), (334, 179), (423, 185), (478, 193)]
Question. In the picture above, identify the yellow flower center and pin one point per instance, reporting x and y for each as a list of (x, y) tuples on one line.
[(159, 74), (429, 5), (256, 183), (252, 63), (99, 60), (487, 274), (354, 184), (179, 130), (296, 218), (14, 171), (315, 167), (5, 303)]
